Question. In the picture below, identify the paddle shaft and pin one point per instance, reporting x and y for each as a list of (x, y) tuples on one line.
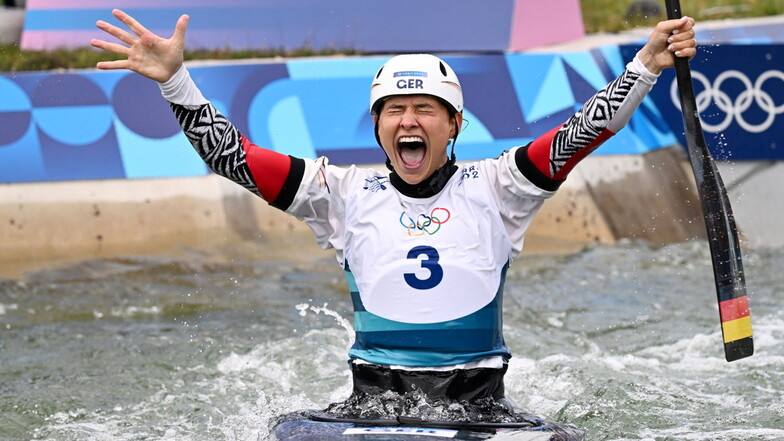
[(719, 221)]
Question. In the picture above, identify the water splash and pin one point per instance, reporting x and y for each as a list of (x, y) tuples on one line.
[(622, 340), (303, 309)]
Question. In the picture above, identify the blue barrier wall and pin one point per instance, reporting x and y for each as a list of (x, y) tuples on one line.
[(740, 96), (102, 125), (99, 125)]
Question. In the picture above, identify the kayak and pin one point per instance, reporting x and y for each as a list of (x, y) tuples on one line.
[(317, 426)]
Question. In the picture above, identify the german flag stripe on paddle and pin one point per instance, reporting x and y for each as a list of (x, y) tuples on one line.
[(735, 319)]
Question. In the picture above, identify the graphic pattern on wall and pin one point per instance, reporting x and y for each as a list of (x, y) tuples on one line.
[(105, 125)]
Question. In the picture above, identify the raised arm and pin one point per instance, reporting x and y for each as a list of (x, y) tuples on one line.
[(548, 160), (271, 175), (147, 54)]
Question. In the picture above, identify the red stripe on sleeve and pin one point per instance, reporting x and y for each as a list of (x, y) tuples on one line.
[(582, 153), (734, 309), (539, 151), (268, 168)]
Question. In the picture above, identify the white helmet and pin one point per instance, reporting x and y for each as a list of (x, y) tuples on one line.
[(416, 74)]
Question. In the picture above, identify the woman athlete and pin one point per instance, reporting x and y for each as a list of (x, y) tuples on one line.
[(425, 245)]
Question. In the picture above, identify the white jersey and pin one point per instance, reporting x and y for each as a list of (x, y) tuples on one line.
[(426, 274)]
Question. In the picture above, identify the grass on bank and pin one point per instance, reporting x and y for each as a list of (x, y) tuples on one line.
[(13, 59), (614, 15), (598, 16)]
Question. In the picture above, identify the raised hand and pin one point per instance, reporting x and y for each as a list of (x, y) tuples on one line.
[(669, 37), (147, 54)]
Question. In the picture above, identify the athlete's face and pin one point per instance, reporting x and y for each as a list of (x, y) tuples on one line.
[(414, 131)]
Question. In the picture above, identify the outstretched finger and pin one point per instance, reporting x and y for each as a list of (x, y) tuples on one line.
[(115, 32), (113, 65), (129, 21), (180, 28), (111, 47)]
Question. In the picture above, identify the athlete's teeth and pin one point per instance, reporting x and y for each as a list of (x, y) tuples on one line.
[(411, 139)]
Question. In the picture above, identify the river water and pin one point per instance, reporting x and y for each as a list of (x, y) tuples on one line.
[(622, 340)]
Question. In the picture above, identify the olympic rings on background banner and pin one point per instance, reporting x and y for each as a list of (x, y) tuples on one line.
[(424, 223), (734, 109)]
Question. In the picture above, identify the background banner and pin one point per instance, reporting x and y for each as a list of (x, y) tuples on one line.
[(368, 26), (102, 125), (740, 96)]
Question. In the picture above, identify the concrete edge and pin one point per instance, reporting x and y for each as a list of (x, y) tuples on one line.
[(647, 197)]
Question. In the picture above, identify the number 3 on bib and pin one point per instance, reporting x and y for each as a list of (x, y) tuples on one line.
[(430, 264)]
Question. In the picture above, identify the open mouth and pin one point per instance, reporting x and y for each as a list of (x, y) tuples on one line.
[(412, 150)]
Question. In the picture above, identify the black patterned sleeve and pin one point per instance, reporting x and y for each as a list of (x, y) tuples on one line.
[(217, 141), (548, 159)]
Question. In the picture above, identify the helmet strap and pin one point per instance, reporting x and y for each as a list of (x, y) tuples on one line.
[(453, 141), (378, 140)]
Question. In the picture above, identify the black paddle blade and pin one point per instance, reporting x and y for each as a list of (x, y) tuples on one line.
[(720, 224)]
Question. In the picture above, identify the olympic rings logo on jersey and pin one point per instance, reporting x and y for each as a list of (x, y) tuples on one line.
[(734, 109), (424, 223)]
